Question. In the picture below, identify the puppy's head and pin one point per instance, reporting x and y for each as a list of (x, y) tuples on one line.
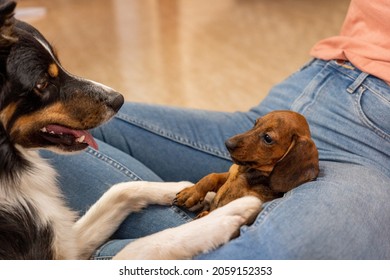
[(41, 104), (279, 145)]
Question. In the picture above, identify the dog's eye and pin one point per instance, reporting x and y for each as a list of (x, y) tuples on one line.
[(41, 85), (267, 139)]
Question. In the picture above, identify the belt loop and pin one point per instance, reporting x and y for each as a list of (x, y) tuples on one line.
[(357, 83)]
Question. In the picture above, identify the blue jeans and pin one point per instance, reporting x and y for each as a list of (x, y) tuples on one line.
[(344, 214)]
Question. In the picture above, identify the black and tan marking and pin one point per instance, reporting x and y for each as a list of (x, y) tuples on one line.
[(41, 106), (39, 93), (53, 70)]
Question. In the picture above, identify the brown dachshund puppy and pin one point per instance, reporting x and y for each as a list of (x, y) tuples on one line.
[(275, 156)]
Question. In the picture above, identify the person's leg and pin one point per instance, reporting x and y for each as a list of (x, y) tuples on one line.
[(342, 215), (345, 213), (176, 143)]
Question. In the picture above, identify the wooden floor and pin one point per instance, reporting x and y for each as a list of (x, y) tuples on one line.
[(209, 54)]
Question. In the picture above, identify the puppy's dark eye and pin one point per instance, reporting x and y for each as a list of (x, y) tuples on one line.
[(267, 139)]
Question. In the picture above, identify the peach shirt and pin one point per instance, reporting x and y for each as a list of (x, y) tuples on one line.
[(364, 39)]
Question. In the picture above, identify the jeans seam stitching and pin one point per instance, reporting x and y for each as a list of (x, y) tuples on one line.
[(181, 213), (304, 107), (365, 120), (96, 254), (179, 139), (118, 166)]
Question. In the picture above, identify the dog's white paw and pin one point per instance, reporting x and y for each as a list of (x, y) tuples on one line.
[(224, 223), (246, 208), (146, 192), (165, 193)]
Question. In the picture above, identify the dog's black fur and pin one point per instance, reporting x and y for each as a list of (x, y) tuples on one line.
[(21, 238), (41, 106)]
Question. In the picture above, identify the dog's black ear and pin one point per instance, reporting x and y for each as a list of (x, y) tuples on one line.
[(300, 165), (7, 20)]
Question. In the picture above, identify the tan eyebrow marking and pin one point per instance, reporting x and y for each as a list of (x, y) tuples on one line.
[(53, 70)]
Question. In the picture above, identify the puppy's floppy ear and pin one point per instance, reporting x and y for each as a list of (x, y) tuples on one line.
[(7, 20), (298, 166)]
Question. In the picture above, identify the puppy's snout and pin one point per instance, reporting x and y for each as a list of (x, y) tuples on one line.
[(231, 144), (115, 100)]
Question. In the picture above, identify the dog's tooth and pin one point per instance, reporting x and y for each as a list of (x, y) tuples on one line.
[(44, 129), (80, 139), (52, 132)]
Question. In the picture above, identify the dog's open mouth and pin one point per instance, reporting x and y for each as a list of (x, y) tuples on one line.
[(72, 139)]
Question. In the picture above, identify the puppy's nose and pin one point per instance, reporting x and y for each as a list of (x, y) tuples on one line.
[(115, 100), (231, 144)]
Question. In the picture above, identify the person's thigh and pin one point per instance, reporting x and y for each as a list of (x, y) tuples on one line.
[(176, 143), (345, 214)]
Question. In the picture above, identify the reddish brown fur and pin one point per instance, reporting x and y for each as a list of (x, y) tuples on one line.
[(265, 170)]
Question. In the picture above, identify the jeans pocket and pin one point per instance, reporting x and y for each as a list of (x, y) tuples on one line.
[(374, 109)]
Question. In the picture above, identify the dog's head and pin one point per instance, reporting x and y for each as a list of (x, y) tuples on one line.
[(279, 145), (41, 104)]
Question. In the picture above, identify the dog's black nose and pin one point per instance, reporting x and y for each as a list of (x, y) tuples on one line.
[(115, 100), (231, 144)]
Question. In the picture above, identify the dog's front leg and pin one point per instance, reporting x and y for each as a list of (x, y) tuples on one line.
[(105, 216), (198, 236)]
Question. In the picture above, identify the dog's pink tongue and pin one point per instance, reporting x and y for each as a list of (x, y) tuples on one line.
[(88, 139)]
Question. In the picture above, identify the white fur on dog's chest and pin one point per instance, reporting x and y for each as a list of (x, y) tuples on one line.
[(39, 189)]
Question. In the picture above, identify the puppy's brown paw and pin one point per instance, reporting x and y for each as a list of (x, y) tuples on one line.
[(202, 214), (188, 197)]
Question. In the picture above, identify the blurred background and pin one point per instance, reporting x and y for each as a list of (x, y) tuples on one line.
[(208, 54)]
